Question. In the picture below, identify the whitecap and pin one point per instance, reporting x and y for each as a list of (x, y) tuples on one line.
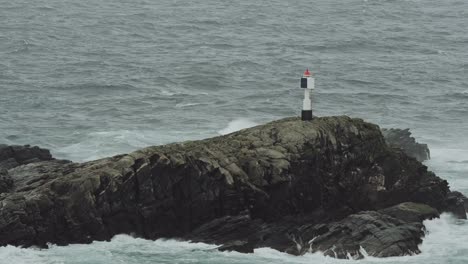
[(237, 125)]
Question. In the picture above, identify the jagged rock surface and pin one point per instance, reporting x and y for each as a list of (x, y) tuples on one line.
[(457, 204), (392, 231), (14, 156), (402, 138), (377, 233), (6, 182), (269, 185)]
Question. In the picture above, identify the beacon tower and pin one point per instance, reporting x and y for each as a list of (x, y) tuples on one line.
[(308, 84)]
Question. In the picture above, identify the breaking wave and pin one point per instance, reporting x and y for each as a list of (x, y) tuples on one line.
[(237, 125), (446, 236)]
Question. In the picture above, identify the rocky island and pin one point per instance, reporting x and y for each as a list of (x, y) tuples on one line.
[(335, 184)]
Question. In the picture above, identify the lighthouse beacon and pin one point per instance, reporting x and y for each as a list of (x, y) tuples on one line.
[(308, 84)]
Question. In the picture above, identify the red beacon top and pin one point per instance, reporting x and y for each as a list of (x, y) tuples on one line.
[(307, 73)]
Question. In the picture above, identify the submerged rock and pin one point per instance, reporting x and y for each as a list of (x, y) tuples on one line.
[(6, 182), (282, 185)]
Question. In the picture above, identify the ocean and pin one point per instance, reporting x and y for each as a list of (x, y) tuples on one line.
[(90, 79)]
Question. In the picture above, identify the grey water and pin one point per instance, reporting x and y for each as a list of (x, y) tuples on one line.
[(89, 79)]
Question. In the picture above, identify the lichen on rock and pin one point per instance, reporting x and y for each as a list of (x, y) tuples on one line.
[(279, 185)]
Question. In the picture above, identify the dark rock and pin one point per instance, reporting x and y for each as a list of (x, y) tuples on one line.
[(465, 201), (402, 138), (6, 182), (277, 185), (238, 245), (13, 156), (378, 234), (228, 229), (411, 212), (457, 204), (393, 231)]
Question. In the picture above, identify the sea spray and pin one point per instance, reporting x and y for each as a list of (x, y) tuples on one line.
[(446, 237), (236, 125)]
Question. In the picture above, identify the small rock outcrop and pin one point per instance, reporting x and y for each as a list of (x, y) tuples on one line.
[(393, 231), (457, 204), (14, 156), (330, 185), (402, 138)]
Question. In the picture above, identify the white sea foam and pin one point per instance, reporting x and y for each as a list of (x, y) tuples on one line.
[(451, 164), (237, 125), (183, 105), (445, 237), (101, 144)]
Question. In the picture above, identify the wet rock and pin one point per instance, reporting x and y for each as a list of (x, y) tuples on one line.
[(238, 245), (13, 156), (278, 185), (393, 231), (367, 232), (457, 204), (402, 138), (411, 212)]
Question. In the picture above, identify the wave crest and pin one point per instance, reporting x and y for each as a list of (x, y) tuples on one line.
[(236, 125)]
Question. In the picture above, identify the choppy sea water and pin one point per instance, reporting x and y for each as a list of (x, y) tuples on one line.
[(89, 79)]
